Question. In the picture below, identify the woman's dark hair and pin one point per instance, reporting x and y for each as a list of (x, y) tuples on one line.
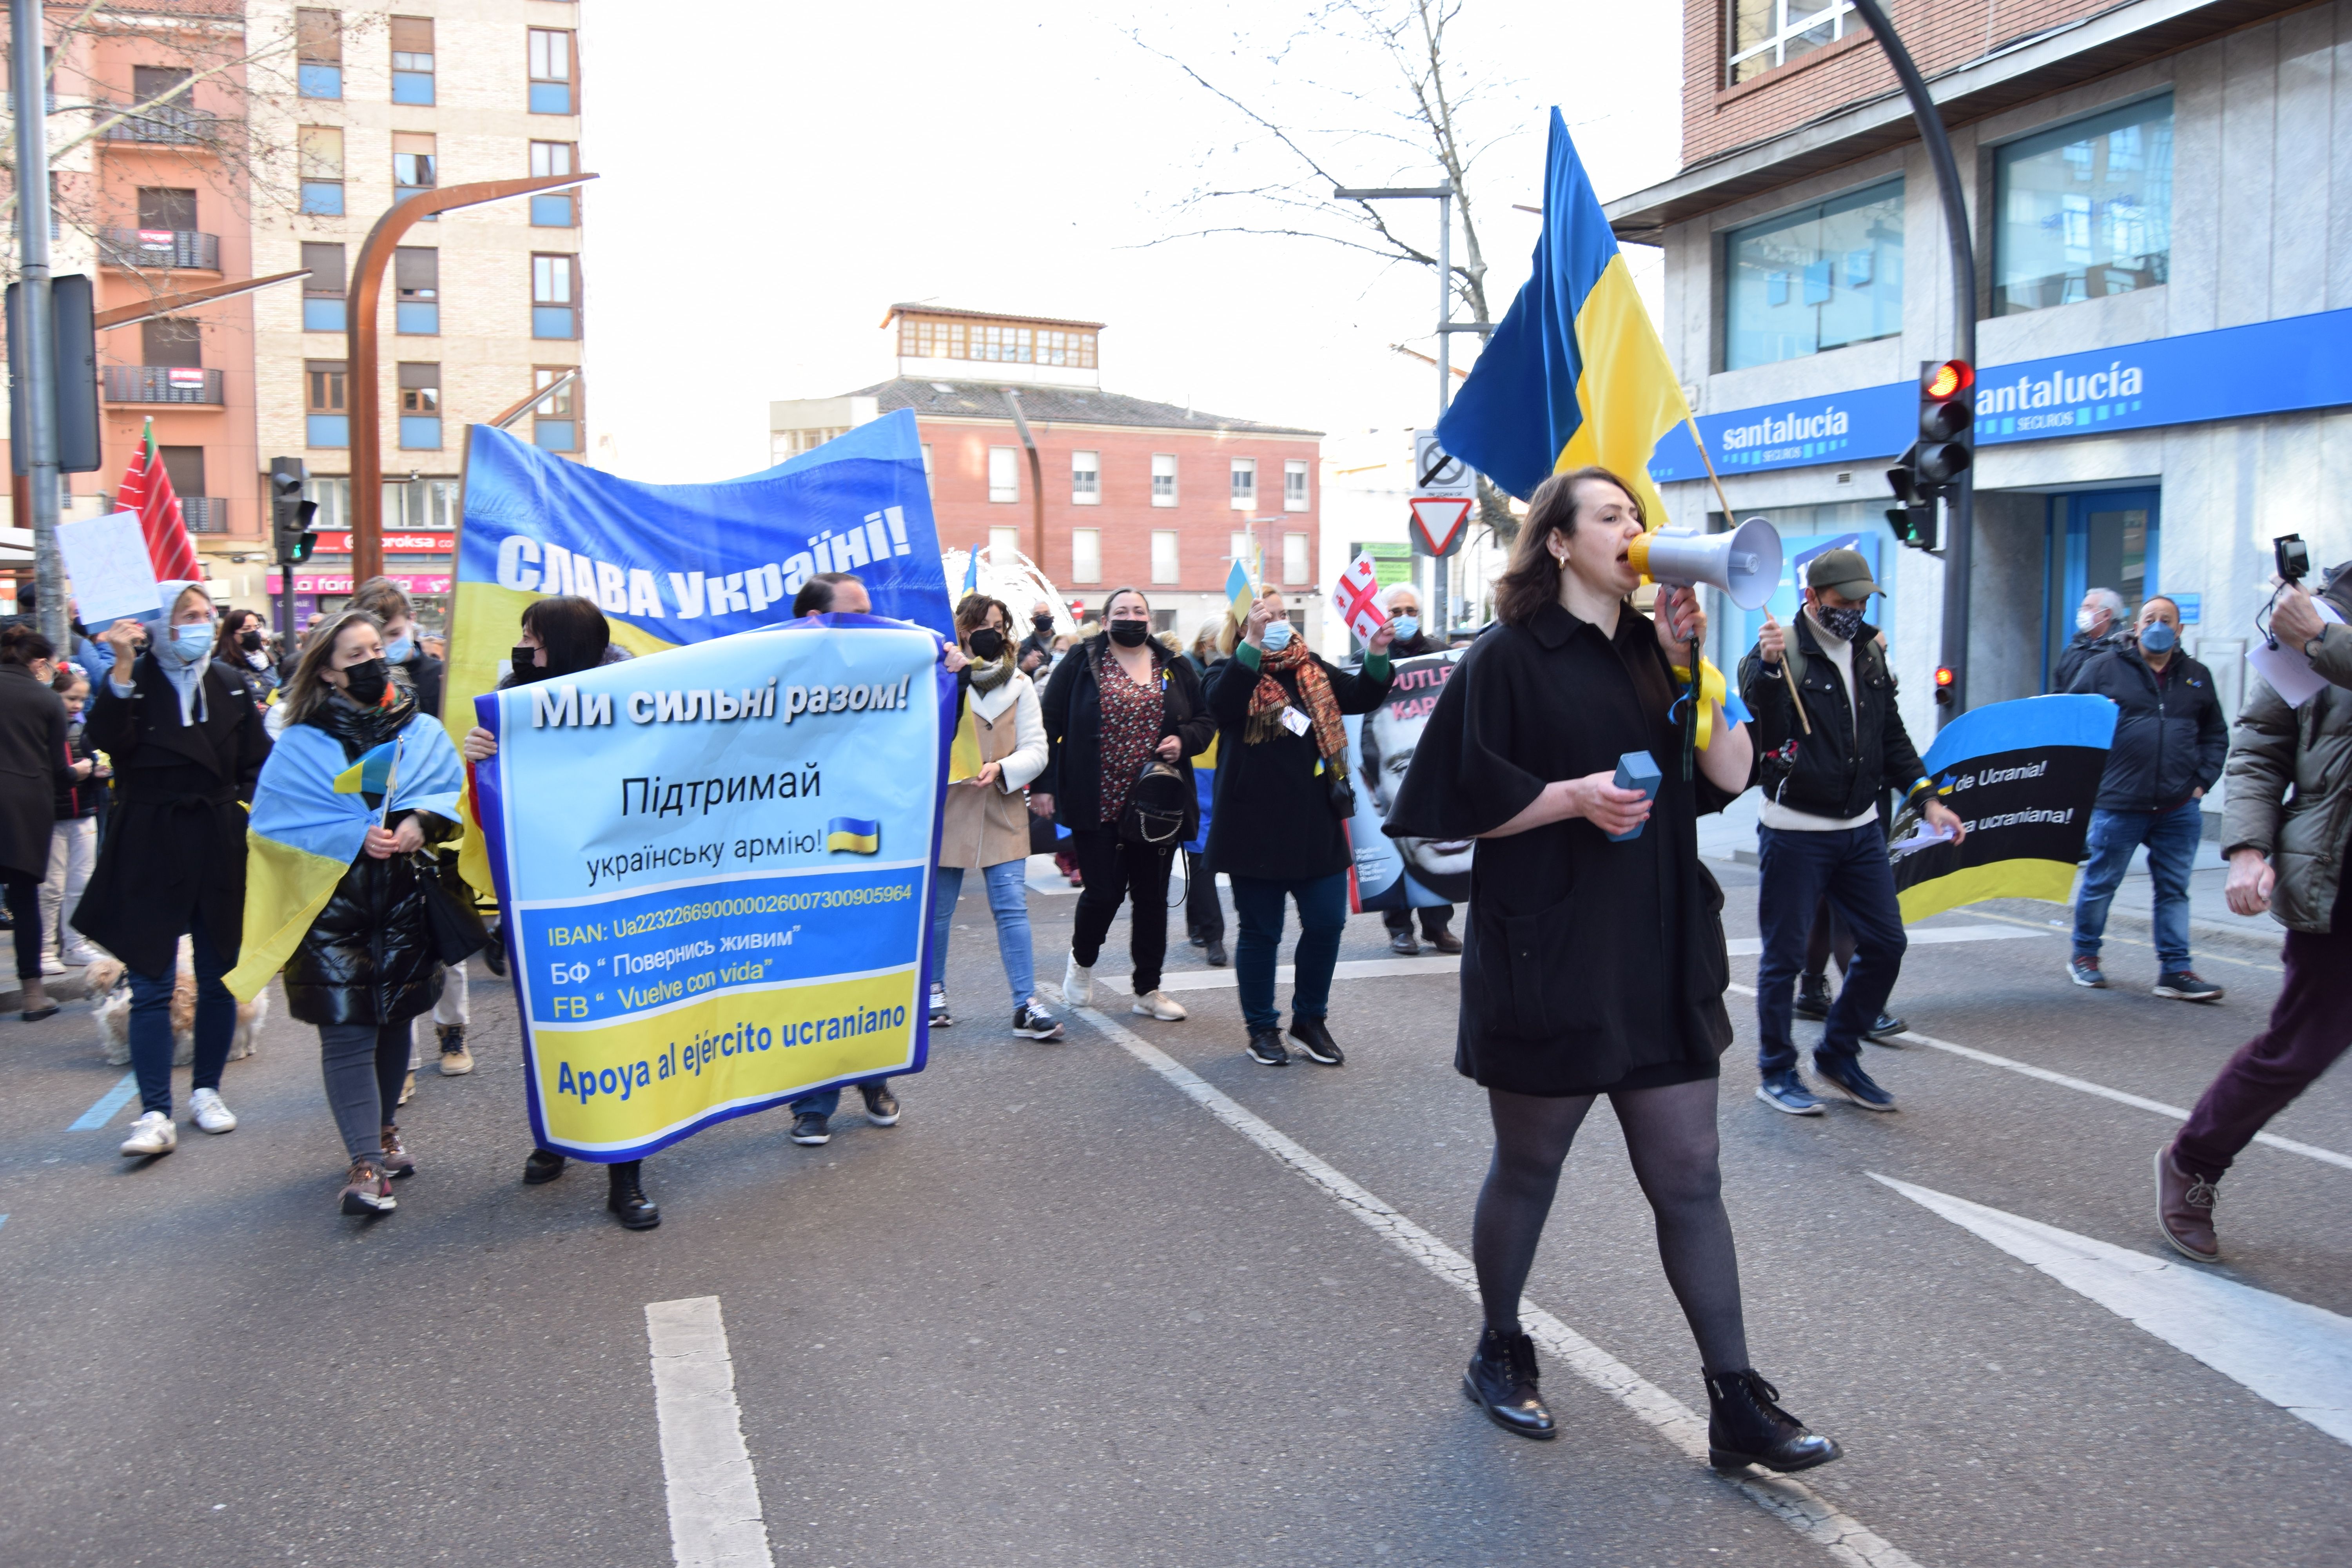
[(1114, 599), (22, 645), (571, 629), (307, 691), (1532, 579), (233, 626), (972, 612)]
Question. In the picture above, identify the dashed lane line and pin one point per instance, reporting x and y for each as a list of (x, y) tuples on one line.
[(112, 1100), (1786, 1498), (714, 1496)]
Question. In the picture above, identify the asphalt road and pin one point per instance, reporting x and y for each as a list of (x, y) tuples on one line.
[(1066, 1312)]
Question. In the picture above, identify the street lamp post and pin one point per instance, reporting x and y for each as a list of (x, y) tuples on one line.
[(36, 353), (360, 338)]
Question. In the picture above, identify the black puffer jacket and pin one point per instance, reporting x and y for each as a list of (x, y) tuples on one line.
[(369, 958), (2170, 737)]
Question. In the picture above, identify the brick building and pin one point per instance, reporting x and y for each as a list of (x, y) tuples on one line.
[(1136, 493)]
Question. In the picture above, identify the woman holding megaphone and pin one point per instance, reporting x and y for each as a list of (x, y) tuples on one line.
[(1594, 961)]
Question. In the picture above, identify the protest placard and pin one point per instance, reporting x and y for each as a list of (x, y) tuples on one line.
[(107, 559)]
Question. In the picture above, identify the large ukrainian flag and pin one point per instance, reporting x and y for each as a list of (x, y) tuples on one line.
[(1575, 374), (306, 828)]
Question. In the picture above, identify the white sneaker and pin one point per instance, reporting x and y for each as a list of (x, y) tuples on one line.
[(205, 1109), (1159, 1004), (79, 957), (152, 1134), (50, 964), (1077, 985)]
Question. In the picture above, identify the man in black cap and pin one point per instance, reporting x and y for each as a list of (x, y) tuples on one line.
[(1818, 827)]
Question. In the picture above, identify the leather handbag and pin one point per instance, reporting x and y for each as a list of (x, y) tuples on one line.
[(456, 925), (1155, 806)]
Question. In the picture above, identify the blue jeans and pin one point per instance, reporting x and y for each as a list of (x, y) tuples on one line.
[(1850, 868), (1322, 916), (1008, 900), (2172, 837), (151, 1023)]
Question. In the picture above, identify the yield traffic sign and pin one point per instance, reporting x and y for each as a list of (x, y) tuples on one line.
[(1438, 521)]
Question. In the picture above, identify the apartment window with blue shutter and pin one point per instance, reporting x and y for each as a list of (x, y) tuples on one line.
[(416, 281), (319, 165), (420, 406), (555, 296), (551, 72), (412, 59), (554, 209), (326, 412), (319, 53), (323, 290)]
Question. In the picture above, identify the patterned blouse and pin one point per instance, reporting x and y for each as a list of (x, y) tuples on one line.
[(1131, 722)]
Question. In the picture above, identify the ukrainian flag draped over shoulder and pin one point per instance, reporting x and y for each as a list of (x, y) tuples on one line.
[(306, 830), (1575, 374)]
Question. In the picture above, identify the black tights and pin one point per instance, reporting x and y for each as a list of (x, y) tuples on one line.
[(1671, 1138)]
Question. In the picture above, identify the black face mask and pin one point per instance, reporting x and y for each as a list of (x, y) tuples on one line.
[(1045, 625), (250, 640), (986, 643), (1129, 634), (524, 661), (367, 682)]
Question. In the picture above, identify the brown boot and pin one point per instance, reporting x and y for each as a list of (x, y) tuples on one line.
[(2184, 1207)]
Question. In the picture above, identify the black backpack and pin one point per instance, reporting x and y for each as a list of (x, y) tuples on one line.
[(1155, 806)]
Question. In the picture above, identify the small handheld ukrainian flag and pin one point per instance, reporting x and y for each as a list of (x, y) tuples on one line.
[(372, 775), (972, 571), (855, 834), (1575, 374), (1237, 590)]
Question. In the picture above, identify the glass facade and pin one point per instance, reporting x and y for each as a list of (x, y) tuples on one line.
[(2083, 210), (1820, 278)]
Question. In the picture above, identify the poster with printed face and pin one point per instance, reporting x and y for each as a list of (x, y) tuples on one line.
[(715, 865), (1401, 873)]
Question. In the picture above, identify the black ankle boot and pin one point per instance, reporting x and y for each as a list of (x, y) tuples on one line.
[(544, 1165), (628, 1201), (1502, 1382), (1812, 996), (1746, 1428)]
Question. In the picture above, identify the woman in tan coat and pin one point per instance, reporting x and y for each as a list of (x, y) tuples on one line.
[(999, 746)]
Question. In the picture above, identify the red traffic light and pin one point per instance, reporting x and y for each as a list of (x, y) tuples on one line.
[(1949, 379), (1943, 675)]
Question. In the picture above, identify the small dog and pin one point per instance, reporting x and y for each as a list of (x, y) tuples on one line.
[(107, 976)]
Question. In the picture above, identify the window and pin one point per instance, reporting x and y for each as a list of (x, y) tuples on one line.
[(1003, 476), (555, 296), (1245, 483), (169, 83), (413, 162), (1768, 33), (172, 341), (555, 420), (1163, 556), (1163, 478), (1294, 485), (319, 53), (185, 465), (1297, 565), (924, 337), (927, 462), (1003, 545), (554, 209), (1074, 349), (319, 160), (416, 284), (322, 291), (327, 413), (1086, 479), (551, 72), (1820, 278), (1086, 555), (420, 406), (166, 208), (333, 494), (412, 59), (2083, 210)]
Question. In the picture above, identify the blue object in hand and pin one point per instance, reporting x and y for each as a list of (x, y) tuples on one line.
[(1636, 769)]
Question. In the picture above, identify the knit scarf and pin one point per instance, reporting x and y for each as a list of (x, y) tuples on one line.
[(1268, 700), (987, 675)]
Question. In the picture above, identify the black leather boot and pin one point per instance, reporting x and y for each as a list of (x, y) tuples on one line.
[(544, 1165), (635, 1210), (1502, 1382), (1746, 1428)]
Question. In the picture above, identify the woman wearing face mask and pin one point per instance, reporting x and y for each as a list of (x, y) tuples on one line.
[(73, 841), (35, 771), (1277, 828), (999, 746), (404, 651), (244, 645), (368, 963), (567, 636), (186, 746), (1113, 704)]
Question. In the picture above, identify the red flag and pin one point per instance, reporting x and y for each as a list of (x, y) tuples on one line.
[(147, 490)]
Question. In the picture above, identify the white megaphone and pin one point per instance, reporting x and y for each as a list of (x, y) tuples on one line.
[(1744, 562)]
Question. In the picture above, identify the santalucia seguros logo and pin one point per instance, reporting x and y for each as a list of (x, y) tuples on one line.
[(528, 566), (565, 705)]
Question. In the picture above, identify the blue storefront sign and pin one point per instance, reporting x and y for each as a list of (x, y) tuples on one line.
[(2269, 367)]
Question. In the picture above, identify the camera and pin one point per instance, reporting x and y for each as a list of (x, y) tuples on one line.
[(2292, 557)]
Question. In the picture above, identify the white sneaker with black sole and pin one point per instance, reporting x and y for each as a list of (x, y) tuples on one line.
[(940, 1017)]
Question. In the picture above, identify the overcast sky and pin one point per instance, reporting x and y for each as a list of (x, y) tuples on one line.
[(774, 177)]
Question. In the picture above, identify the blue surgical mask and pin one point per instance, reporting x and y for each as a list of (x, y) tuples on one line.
[(188, 645), (397, 650), (1276, 635), (2157, 636), (1406, 625)]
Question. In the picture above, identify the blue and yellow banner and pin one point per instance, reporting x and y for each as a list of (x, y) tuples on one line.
[(1575, 374), (715, 869)]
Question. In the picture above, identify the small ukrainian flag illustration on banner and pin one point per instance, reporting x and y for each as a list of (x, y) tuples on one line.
[(855, 834), (370, 773)]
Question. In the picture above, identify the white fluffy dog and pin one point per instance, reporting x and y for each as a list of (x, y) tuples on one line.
[(107, 976)]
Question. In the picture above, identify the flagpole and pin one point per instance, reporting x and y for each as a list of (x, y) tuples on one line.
[(1795, 700)]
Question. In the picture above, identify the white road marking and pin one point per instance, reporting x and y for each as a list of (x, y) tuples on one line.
[(1787, 1500), (2084, 1086), (714, 1497), (2297, 1356)]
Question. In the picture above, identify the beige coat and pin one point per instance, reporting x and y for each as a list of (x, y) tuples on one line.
[(989, 826)]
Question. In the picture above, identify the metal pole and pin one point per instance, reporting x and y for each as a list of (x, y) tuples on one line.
[(1960, 537), (36, 354), (1439, 610), (1036, 480)]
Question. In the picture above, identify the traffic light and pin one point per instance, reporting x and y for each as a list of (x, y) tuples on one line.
[(289, 513), (1945, 675), (1947, 419), (1914, 519)]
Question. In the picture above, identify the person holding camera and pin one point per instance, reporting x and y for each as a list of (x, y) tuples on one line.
[(1277, 823), (1115, 705), (2285, 829)]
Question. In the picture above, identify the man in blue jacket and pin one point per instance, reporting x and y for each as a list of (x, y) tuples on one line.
[(2171, 741)]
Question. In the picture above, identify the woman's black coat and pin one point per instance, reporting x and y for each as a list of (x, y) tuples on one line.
[(1072, 707), (34, 767), (174, 845), (1587, 965), (1273, 815), (369, 957)]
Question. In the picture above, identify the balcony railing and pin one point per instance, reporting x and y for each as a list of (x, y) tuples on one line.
[(170, 125), (159, 384), (205, 514), (140, 249)]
